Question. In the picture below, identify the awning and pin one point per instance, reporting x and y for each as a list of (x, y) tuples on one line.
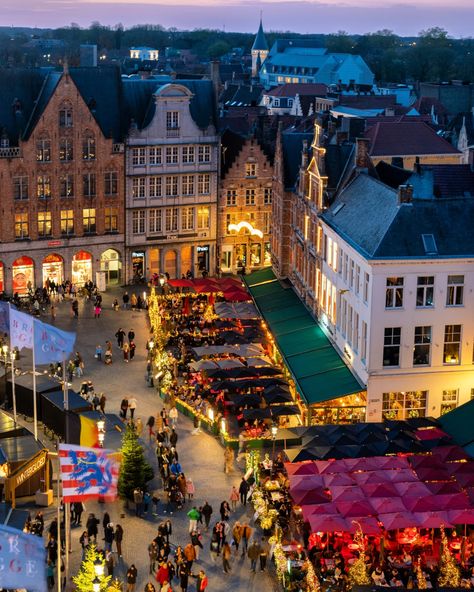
[(318, 370)]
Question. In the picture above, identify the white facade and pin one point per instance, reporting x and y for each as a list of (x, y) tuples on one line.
[(171, 190), (144, 53), (411, 343)]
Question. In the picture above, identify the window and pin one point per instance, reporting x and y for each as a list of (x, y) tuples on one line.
[(187, 218), (21, 225), (404, 405), (455, 293), (111, 183), (43, 150), (154, 156), (155, 220), (351, 273), (88, 220), (138, 187), (204, 184), (111, 219), (449, 401), (65, 117), (250, 197), (154, 186), (66, 153), (44, 187), (67, 222), (267, 216), (204, 154), (452, 344), (366, 287), (355, 333), (230, 219), (172, 120), (250, 169), (425, 291), (339, 261), (88, 185), (231, 197), (188, 154), (88, 147), (172, 155), (391, 346), (171, 219), (363, 345), (20, 187), (422, 346), (138, 221), (66, 186), (187, 184), (357, 279), (139, 156), (171, 186), (394, 292), (345, 267), (44, 224), (203, 217), (267, 195)]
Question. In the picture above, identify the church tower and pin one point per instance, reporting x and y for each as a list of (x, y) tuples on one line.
[(259, 51)]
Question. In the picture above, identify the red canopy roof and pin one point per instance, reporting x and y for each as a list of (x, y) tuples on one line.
[(328, 523)]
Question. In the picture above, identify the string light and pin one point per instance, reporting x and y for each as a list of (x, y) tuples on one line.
[(358, 575), (312, 582), (420, 576), (449, 575)]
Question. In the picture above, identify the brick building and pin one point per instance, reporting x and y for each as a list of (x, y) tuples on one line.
[(61, 171), (245, 203)]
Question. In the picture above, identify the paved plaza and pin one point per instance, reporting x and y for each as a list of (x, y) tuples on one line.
[(201, 456)]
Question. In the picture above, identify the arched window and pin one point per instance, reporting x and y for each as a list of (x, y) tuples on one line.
[(65, 115), (88, 147)]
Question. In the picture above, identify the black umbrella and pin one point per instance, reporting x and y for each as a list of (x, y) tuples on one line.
[(422, 422), (240, 400), (277, 397), (268, 381), (341, 438), (229, 385), (379, 448), (266, 371), (348, 450), (325, 452), (278, 410), (298, 455), (257, 413), (277, 387)]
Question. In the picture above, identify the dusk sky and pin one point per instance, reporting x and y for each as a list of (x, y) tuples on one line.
[(405, 17)]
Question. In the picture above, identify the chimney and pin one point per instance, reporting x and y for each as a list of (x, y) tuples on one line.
[(362, 153), (405, 194), (389, 112), (417, 166)]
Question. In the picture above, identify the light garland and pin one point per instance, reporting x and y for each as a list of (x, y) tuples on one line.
[(312, 581), (420, 576), (280, 562), (449, 575), (266, 516), (358, 575), (252, 462)]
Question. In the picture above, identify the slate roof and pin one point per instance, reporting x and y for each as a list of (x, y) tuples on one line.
[(336, 161), (231, 145), (456, 180), (292, 144), (367, 101), (291, 90), (229, 72), (241, 95), (391, 175), (371, 220), (406, 138), (260, 42)]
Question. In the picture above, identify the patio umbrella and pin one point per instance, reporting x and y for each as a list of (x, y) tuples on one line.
[(443, 487), (412, 489), (273, 381), (465, 480), (401, 476), (431, 433), (425, 461), (432, 474), (257, 362), (370, 477), (229, 282), (461, 468), (257, 413), (432, 519), (347, 450), (277, 397), (342, 438), (181, 283), (323, 452), (338, 479), (328, 523), (266, 371), (203, 365), (346, 494), (277, 387), (420, 504), (229, 363), (396, 520), (236, 295), (311, 509), (379, 490), (299, 454), (461, 516), (378, 448), (241, 400), (314, 496), (421, 422), (368, 524), (450, 453), (305, 482), (388, 505), (367, 464), (452, 501), (280, 410), (302, 468), (357, 508), (393, 462)]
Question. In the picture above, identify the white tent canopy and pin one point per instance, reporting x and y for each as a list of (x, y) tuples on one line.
[(247, 350), (236, 310)]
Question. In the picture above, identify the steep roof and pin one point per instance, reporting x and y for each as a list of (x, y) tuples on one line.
[(406, 138), (231, 145), (292, 144), (336, 160), (368, 216), (456, 125), (291, 90), (260, 43)]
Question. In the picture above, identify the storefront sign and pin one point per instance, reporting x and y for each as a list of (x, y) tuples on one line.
[(203, 249), (28, 470), (55, 243)]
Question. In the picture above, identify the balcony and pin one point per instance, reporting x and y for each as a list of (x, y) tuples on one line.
[(10, 152), (172, 132)]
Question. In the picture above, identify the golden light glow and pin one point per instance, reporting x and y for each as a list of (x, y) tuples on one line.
[(244, 224)]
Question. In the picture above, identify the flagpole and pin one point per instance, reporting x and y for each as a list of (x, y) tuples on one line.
[(12, 358), (35, 415), (59, 533), (67, 510)]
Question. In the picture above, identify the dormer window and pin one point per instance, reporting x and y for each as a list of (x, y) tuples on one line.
[(65, 116), (250, 169)]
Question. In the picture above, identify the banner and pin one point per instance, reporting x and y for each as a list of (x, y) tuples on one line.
[(22, 560), (52, 344), (4, 318), (21, 329), (88, 473)]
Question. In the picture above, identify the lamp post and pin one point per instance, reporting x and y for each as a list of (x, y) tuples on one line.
[(5, 362), (162, 281), (274, 431), (101, 428), (12, 358), (99, 574)]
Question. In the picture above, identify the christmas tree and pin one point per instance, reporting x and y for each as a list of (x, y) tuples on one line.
[(88, 574), (135, 471), (115, 586)]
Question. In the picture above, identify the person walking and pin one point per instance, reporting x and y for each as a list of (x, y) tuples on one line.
[(91, 526), (237, 535), (243, 491), (264, 550), (102, 402), (75, 308), (189, 554), (118, 539), (193, 516), (246, 534), (206, 511), (183, 576), (234, 498), (173, 415), (202, 581), (120, 336), (126, 352), (124, 408), (109, 563), (152, 556), (125, 300), (196, 542), (253, 554), (226, 555), (131, 336), (132, 405), (224, 510), (132, 347), (131, 578), (173, 438), (109, 536)]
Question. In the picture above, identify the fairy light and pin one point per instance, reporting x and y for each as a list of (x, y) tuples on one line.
[(449, 575), (312, 582), (420, 576), (358, 575)]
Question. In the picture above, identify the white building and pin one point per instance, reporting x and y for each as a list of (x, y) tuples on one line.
[(172, 162), (144, 53), (395, 291)]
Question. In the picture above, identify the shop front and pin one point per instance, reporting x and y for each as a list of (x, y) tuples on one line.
[(2, 289), (249, 255), (23, 275), (171, 261), (111, 263), (202, 258), (81, 268), (138, 264), (53, 269)]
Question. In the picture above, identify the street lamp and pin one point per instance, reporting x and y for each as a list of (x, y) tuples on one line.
[(101, 435), (96, 585), (99, 568), (274, 431), (210, 414)]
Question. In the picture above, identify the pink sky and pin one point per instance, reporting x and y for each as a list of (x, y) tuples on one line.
[(405, 17)]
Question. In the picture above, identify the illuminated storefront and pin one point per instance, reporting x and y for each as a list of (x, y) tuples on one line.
[(81, 268), (53, 266), (111, 263), (138, 263), (1, 278), (245, 247), (23, 275)]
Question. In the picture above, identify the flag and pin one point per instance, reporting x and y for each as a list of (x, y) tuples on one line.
[(89, 432), (52, 344), (21, 329), (4, 317), (88, 473), (22, 560)]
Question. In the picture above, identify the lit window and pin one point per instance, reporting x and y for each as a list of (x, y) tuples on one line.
[(404, 405), (67, 222), (394, 292), (43, 150), (44, 187), (452, 344), (111, 219), (425, 291), (251, 169), (21, 225), (171, 219), (44, 224), (203, 217), (449, 401), (88, 220)]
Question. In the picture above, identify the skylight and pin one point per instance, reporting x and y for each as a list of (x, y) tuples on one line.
[(430, 244)]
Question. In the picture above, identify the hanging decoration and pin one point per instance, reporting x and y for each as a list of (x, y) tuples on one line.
[(358, 574), (449, 575)]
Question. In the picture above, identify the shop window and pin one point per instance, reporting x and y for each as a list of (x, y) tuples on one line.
[(394, 292), (21, 225), (391, 346), (255, 254), (20, 187), (67, 222), (23, 275), (425, 291), (203, 217), (89, 220), (449, 401), (452, 344), (43, 150), (89, 185), (88, 147), (53, 268), (43, 187), (404, 405), (138, 221), (66, 150), (65, 116), (66, 186), (111, 183), (455, 292), (422, 346), (204, 184), (111, 219), (81, 268), (44, 224)]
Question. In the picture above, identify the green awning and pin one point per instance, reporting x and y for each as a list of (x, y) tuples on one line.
[(318, 370), (459, 423)]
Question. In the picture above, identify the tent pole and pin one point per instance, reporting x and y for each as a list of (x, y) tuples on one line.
[(35, 414)]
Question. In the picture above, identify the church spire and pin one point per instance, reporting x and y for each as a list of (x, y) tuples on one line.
[(260, 43)]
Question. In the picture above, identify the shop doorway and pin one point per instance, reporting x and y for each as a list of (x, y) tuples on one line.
[(23, 275), (81, 268), (186, 259), (53, 266), (111, 263), (171, 259), (203, 258), (138, 264)]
